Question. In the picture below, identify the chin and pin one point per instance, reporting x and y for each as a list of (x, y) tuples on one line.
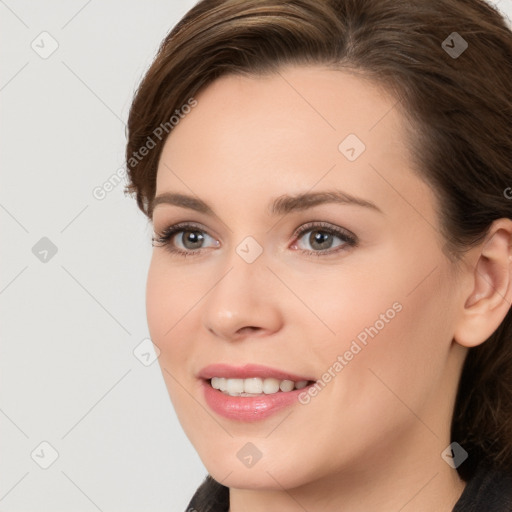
[(263, 475)]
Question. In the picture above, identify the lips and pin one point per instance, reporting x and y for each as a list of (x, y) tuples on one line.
[(249, 371), (272, 390)]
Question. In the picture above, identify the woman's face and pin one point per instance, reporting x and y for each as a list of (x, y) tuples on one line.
[(314, 255)]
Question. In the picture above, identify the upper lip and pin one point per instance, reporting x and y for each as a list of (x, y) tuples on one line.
[(247, 371)]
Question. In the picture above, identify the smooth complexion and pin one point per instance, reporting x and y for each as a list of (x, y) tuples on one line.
[(372, 438)]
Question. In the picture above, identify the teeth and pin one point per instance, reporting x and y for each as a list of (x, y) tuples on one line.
[(235, 386), (218, 383), (286, 385), (255, 386)]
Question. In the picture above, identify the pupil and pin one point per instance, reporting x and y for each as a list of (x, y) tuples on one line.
[(323, 239), (193, 239)]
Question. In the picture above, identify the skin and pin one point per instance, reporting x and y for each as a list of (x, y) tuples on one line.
[(372, 437)]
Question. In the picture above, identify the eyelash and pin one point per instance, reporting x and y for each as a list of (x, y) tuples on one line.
[(163, 239)]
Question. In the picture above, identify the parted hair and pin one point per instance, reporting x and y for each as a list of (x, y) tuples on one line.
[(458, 105)]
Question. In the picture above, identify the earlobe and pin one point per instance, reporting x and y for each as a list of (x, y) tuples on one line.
[(490, 299)]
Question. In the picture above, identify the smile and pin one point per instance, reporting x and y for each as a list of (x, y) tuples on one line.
[(250, 392), (255, 386)]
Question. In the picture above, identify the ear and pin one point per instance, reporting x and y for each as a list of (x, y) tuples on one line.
[(491, 287)]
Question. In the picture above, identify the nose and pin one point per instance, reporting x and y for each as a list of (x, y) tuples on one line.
[(244, 302)]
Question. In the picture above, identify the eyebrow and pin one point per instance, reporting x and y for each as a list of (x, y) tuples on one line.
[(282, 205)]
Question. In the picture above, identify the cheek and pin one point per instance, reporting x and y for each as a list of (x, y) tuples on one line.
[(390, 331), (169, 304), (168, 311), (159, 304), (171, 294), (402, 341)]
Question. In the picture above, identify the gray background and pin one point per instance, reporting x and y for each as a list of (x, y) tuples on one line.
[(72, 319)]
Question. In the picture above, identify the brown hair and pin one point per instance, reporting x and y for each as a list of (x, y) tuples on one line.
[(460, 108)]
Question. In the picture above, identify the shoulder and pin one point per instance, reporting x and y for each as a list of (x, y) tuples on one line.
[(489, 489), (210, 496)]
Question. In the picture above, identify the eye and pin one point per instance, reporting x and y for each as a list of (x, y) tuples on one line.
[(323, 238), (186, 239)]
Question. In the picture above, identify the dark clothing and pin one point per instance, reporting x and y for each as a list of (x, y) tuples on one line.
[(210, 496), (487, 491)]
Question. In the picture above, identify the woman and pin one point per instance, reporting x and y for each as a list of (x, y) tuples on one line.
[(330, 287)]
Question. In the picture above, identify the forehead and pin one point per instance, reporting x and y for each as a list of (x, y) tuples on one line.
[(291, 105), (301, 127)]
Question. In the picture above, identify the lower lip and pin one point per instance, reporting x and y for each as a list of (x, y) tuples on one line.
[(249, 408)]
